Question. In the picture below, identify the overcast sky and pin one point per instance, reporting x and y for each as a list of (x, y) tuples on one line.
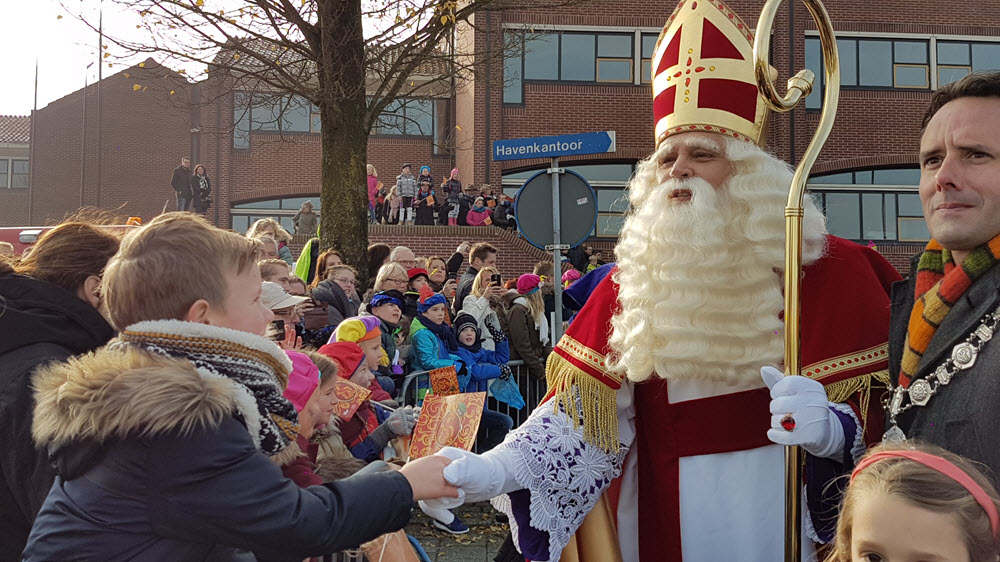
[(63, 47)]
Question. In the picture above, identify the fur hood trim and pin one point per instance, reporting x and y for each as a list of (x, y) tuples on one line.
[(114, 393)]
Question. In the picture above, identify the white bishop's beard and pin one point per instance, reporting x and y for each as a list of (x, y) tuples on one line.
[(699, 284)]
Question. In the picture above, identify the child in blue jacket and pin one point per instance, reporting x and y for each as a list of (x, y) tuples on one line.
[(483, 365)]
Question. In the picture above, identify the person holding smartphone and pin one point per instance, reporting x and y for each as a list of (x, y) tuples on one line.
[(485, 304)]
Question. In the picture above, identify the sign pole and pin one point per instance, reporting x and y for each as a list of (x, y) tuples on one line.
[(556, 253)]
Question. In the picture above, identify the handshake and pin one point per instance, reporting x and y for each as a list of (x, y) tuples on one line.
[(453, 476)]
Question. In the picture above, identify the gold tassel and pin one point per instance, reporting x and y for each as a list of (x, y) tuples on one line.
[(598, 412), (840, 391)]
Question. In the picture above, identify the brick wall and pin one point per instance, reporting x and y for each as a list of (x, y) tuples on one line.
[(144, 135)]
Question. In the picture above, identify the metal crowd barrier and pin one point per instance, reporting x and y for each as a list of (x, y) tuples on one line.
[(532, 390)]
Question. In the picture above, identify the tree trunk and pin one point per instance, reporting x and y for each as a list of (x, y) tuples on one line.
[(344, 195)]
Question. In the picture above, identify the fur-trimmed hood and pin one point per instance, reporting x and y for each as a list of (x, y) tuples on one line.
[(110, 394)]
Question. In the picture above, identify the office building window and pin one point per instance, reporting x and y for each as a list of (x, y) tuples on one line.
[(648, 50), (412, 117), (884, 205), (242, 215), (899, 63), (956, 59), (513, 68), (19, 174), (261, 112), (567, 56)]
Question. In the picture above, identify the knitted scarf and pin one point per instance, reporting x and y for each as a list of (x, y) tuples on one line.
[(442, 331), (257, 368), (940, 283)]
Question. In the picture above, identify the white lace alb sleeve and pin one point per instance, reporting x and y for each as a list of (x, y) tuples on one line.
[(562, 476)]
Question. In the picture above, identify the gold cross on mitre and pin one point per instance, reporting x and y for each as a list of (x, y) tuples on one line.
[(703, 75)]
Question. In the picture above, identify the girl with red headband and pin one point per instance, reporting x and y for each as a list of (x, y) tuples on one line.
[(917, 502)]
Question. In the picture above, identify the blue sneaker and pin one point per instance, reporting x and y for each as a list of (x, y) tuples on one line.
[(456, 527)]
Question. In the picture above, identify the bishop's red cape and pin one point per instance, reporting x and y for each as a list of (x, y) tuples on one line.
[(845, 324)]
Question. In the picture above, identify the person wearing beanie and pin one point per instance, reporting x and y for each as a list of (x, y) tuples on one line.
[(483, 365), (418, 278), (570, 277), (387, 306), (529, 332), (479, 214), (425, 175), (367, 333), (310, 390), (369, 430), (425, 204), (452, 191), (406, 189), (434, 343)]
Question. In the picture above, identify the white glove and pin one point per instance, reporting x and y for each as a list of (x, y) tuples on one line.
[(478, 477), (817, 428)]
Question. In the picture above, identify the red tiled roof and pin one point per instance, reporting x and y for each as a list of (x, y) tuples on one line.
[(15, 129)]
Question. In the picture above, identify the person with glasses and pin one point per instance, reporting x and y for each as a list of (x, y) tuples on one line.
[(404, 257), (391, 276), (337, 290)]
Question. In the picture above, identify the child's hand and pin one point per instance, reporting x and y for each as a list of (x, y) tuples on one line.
[(401, 421), (291, 341), (426, 478)]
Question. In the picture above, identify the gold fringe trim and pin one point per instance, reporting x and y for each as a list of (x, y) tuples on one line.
[(598, 409), (840, 391)]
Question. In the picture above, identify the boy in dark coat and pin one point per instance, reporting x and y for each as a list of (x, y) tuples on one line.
[(168, 442)]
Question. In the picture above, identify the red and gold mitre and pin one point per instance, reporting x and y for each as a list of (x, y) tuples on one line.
[(703, 74)]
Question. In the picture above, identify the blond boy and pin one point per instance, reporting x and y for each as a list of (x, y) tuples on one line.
[(168, 441)]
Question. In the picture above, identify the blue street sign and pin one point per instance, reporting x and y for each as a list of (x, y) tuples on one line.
[(554, 146)]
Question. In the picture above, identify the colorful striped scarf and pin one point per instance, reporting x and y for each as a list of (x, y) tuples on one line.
[(940, 283)]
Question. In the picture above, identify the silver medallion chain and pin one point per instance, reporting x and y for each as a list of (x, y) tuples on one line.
[(920, 391)]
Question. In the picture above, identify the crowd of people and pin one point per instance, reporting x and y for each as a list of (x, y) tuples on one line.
[(418, 200), (156, 404), (414, 314)]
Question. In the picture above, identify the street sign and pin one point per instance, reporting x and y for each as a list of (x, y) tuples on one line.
[(577, 210), (554, 146)]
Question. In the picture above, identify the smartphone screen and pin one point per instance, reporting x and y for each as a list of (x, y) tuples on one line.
[(496, 279), (452, 276), (280, 326)]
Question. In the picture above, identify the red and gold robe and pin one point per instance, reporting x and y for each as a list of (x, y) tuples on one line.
[(844, 319)]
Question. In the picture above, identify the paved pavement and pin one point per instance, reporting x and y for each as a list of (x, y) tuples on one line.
[(480, 544)]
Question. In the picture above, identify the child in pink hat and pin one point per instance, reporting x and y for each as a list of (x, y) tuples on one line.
[(310, 389)]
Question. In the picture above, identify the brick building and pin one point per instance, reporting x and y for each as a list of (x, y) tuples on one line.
[(580, 68), (15, 134)]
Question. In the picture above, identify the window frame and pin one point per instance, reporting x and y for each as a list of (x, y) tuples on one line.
[(404, 103), (634, 34), (11, 173), (932, 65), (820, 190), (5, 178)]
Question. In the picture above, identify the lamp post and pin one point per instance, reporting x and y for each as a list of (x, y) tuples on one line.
[(83, 144)]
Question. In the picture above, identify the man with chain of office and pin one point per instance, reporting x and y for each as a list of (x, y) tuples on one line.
[(659, 440), (943, 355)]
